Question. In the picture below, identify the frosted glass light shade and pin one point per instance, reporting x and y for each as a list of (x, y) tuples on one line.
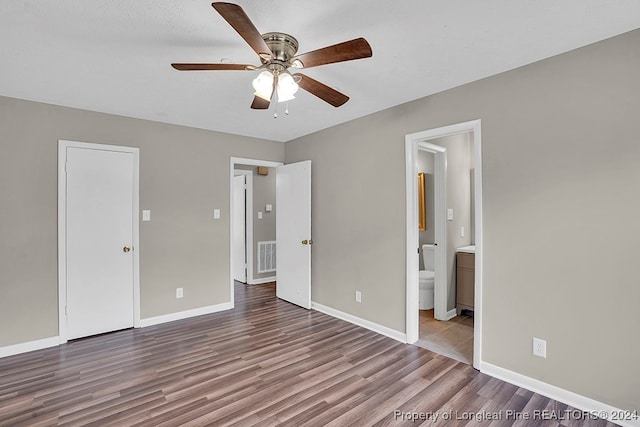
[(286, 87), (263, 84)]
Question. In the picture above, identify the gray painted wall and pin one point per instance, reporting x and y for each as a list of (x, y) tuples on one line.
[(560, 159), (184, 176)]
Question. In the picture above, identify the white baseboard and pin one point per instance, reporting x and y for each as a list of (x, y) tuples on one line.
[(451, 314), (262, 280), (561, 395), (185, 314), (391, 333), (25, 347)]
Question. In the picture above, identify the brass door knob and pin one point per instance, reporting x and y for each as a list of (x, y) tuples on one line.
[(305, 242), (126, 249)]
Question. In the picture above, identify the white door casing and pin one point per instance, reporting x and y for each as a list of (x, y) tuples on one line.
[(293, 233), (98, 239), (236, 161), (412, 141), (239, 229)]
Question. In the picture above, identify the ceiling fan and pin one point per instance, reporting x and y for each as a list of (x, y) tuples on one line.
[(277, 52)]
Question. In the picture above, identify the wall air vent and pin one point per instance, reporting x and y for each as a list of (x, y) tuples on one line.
[(267, 256)]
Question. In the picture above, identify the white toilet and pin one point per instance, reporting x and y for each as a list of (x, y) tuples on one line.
[(427, 277)]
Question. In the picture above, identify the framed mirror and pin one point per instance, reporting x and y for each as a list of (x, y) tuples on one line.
[(422, 208)]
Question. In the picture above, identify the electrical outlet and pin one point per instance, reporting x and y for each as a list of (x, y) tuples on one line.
[(539, 347), (358, 296), (179, 293)]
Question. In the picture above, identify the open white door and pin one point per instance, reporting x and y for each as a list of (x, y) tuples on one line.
[(293, 233), (239, 229)]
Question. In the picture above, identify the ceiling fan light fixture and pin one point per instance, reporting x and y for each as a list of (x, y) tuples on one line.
[(287, 87), (263, 84)]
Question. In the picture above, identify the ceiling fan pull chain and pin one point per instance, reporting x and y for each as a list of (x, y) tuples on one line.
[(275, 104)]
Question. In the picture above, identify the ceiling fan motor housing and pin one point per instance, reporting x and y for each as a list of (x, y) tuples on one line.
[(283, 48)]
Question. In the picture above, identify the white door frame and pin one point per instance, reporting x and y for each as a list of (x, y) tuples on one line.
[(249, 207), (62, 229), (412, 142), (248, 235)]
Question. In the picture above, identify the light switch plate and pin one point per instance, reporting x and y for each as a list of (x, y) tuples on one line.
[(216, 214), (146, 215), (268, 208), (449, 214), (259, 215)]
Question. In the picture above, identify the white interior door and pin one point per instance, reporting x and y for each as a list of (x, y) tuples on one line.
[(239, 229), (99, 238), (293, 233)]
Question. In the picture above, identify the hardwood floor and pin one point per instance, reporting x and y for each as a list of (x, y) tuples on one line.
[(453, 338), (265, 363)]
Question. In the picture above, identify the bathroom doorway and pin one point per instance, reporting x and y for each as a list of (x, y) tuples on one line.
[(455, 230)]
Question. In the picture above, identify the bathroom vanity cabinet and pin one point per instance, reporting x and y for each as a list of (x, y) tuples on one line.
[(465, 281)]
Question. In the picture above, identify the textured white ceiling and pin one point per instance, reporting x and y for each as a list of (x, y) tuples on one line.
[(113, 55)]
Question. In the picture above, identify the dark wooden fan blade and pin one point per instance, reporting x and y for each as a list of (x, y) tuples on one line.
[(321, 90), (259, 103), (240, 22), (346, 51), (209, 67)]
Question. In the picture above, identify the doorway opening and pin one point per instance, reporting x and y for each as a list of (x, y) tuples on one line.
[(243, 245), (448, 233)]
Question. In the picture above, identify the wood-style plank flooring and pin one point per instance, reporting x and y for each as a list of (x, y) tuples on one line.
[(265, 363)]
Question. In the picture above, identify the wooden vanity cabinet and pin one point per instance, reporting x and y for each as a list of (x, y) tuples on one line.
[(465, 281)]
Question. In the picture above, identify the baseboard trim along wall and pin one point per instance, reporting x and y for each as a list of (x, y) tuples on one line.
[(26, 347), (185, 314), (451, 314), (575, 400), (262, 280), (391, 333)]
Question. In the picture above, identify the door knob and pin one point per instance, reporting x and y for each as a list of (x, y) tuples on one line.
[(305, 242), (126, 249)]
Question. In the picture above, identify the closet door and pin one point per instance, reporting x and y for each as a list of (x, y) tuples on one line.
[(99, 241)]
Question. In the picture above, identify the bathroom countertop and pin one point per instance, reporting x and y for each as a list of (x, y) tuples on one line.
[(471, 249)]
